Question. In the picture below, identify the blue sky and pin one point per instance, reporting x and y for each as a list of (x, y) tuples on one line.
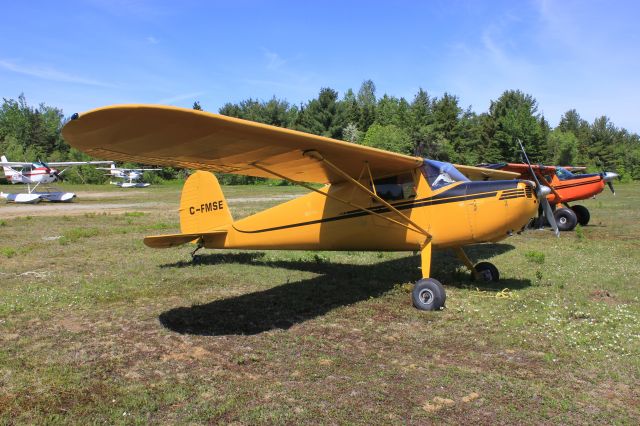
[(79, 55)]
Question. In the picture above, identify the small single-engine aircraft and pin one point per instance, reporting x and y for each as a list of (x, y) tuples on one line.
[(565, 187), (372, 199), (36, 174), (130, 176)]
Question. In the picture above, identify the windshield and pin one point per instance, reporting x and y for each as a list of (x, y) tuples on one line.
[(440, 174), (563, 173)]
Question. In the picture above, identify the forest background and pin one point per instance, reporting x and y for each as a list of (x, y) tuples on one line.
[(432, 127)]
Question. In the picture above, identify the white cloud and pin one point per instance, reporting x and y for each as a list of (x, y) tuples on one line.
[(274, 61), (47, 73)]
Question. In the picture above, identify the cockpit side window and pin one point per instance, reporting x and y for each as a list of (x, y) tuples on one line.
[(563, 174), (401, 187)]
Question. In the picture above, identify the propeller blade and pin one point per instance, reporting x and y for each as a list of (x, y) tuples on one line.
[(549, 215), (526, 159), (541, 193), (610, 184)]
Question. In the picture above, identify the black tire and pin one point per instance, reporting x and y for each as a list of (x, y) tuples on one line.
[(487, 272), (428, 295), (566, 219), (582, 213)]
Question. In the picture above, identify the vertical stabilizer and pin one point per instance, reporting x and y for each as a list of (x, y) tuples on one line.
[(203, 207), (8, 171)]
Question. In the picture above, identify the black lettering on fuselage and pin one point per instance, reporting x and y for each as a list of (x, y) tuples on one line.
[(206, 208)]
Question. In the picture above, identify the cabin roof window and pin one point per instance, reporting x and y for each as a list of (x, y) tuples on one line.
[(440, 174)]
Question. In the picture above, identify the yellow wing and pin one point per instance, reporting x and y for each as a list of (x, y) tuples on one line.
[(179, 137), (481, 173)]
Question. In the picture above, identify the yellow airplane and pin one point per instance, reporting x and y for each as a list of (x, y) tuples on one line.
[(372, 200)]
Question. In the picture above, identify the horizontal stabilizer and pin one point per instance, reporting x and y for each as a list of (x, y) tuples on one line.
[(173, 240)]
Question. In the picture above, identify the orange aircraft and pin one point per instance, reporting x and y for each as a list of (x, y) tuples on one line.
[(565, 187), (371, 200)]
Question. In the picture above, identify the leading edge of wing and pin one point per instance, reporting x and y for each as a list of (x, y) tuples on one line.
[(483, 173), (180, 137)]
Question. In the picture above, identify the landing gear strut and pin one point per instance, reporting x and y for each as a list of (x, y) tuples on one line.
[(199, 245)]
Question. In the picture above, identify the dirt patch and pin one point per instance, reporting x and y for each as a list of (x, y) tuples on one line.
[(602, 296), (80, 208), (111, 194), (73, 325), (72, 209)]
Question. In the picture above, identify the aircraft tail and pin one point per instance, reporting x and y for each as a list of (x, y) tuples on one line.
[(203, 207), (8, 171), (113, 170), (203, 214)]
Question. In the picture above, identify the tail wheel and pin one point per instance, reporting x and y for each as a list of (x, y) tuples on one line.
[(486, 272), (428, 295), (582, 213), (565, 218)]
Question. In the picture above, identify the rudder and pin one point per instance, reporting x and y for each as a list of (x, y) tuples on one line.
[(8, 171), (202, 204)]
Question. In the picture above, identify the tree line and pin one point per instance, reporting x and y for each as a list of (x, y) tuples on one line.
[(428, 126)]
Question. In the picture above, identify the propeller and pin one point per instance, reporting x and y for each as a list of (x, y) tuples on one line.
[(541, 193), (608, 177)]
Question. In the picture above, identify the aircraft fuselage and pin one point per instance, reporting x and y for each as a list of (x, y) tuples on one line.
[(458, 214)]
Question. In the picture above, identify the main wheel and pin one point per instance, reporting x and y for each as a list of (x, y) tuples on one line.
[(428, 295), (565, 218), (486, 272), (582, 213)]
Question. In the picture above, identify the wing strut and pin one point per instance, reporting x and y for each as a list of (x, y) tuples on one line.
[(414, 227), (316, 155)]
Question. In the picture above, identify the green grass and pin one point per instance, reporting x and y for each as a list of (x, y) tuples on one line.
[(74, 234), (534, 256), (8, 252), (102, 329)]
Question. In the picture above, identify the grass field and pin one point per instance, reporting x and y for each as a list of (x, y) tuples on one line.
[(95, 327)]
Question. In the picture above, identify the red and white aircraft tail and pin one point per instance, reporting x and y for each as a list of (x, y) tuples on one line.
[(9, 173)]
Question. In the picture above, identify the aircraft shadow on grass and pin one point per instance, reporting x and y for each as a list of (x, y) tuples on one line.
[(282, 306)]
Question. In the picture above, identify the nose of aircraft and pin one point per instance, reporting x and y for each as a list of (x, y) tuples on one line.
[(544, 190), (609, 177), (541, 194)]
